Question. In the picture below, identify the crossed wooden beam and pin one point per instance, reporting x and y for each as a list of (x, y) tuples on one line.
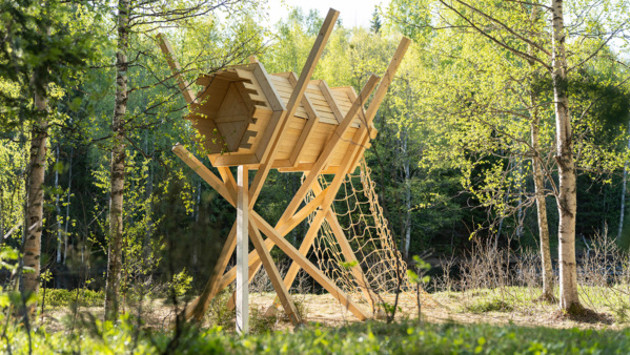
[(242, 195)]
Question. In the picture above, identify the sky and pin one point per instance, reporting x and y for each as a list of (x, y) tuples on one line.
[(352, 12)]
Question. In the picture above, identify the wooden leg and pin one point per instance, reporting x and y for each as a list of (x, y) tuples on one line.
[(283, 229), (309, 267), (197, 309), (274, 276), (349, 256), (242, 243), (271, 233)]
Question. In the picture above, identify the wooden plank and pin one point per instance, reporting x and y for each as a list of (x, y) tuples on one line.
[(308, 130), (309, 267), (242, 244), (329, 148), (350, 257), (331, 101), (227, 159), (204, 173), (388, 77), (165, 46), (197, 309), (274, 275), (298, 92), (284, 227)]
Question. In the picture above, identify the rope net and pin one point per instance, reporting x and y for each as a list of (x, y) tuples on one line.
[(361, 218)]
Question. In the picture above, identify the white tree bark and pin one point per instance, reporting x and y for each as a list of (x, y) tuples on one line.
[(567, 197), (57, 208), (35, 198), (67, 219), (622, 206), (541, 210), (117, 177)]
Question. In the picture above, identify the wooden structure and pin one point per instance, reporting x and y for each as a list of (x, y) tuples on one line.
[(256, 121)]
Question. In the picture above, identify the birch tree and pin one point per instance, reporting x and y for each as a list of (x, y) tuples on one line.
[(513, 34), (42, 53), (134, 18)]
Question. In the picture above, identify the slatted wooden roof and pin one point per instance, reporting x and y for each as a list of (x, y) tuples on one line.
[(238, 108)]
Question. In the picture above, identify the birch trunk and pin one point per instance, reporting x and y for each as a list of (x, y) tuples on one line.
[(117, 179), (541, 209), (67, 219), (567, 201), (57, 208), (622, 207), (407, 182), (35, 198)]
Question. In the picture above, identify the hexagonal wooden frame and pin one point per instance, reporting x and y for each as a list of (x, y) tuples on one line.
[(243, 196)]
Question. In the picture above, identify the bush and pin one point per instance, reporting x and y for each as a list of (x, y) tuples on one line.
[(63, 298)]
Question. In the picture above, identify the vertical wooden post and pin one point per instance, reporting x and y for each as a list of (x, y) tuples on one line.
[(242, 241)]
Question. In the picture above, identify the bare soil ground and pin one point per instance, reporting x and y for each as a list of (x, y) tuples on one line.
[(326, 310)]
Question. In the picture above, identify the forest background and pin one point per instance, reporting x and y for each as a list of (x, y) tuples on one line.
[(452, 161)]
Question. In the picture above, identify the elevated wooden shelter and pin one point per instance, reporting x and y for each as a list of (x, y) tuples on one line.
[(253, 120)]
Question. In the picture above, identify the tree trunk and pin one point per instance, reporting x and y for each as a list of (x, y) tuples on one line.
[(539, 181), (57, 208), (407, 183), (117, 179), (67, 219), (35, 199), (541, 209), (567, 201), (622, 207)]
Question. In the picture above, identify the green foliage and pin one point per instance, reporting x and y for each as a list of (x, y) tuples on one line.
[(362, 338), (65, 298), (492, 305)]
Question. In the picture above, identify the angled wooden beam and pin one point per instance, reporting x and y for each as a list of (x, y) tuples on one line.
[(189, 96), (274, 276), (204, 173), (320, 164), (197, 309), (388, 77), (309, 127), (330, 99), (292, 104), (308, 266), (272, 234)]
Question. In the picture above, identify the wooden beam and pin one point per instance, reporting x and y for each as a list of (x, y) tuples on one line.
[(309, 127), (204, 173), (321, 162), (189, 96), (274, 276), (242, 244), (388, 77), (349, 256), (309, 267), (197, 309), (292, 104), (330, 99)]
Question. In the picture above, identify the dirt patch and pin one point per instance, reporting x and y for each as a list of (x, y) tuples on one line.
[(326, 310)]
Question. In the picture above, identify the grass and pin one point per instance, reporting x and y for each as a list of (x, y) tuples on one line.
[(56, 298), (360, 338)]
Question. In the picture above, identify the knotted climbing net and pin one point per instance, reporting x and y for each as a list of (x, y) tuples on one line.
[(361, 217)]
